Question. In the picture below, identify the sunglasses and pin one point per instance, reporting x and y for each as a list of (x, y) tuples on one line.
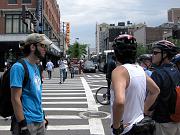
[(155, 52), (42, 45)]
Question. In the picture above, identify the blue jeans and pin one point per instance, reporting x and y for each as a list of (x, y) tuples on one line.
[(62, 75)]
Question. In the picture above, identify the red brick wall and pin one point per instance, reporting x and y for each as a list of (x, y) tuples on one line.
[(4, 4), (53, 14), (51, 10)]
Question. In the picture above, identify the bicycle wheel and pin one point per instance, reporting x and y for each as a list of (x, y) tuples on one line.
[(102, 96)]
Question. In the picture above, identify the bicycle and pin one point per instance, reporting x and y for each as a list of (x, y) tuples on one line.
[(102, 96)]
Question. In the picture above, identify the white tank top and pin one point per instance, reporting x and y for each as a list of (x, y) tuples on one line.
[(134, 96)]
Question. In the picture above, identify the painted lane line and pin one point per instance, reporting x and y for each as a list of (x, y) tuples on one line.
[(95, 124), (96, 76), (66, 109), (54, 94), (53, 117), (67, 103), (55, 127), (64, 98), (88, 76), (97, 85), (63, 117), (60, 90)]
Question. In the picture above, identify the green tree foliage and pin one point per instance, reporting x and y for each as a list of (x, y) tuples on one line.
[(141, 50), (77, 50)]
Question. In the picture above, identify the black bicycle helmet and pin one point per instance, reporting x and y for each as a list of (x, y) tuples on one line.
[(125, 47)]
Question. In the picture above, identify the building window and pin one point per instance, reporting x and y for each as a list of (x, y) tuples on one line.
[(12, 1), (26, 1), (14, 24)]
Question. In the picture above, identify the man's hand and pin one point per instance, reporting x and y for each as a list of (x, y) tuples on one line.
[(119, 130), (23, 130)]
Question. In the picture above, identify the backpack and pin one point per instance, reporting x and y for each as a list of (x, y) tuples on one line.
[(6, 108), (175, 97)]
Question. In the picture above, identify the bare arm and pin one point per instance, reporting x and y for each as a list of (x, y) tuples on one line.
[(16, 103), (120, 80), (153, 92)]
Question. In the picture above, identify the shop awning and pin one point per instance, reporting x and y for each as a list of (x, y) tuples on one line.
[(20, 37)]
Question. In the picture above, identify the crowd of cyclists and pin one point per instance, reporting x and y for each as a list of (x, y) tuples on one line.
[(145, 86)]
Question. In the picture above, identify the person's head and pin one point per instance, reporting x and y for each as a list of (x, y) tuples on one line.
[(35, 44), (145, 60), (163, 51), (125, 48), (176, 61)]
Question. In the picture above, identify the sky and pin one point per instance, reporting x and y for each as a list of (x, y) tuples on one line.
[(84, 14)]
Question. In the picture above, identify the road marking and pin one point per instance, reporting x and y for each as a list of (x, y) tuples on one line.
[(64, 98), (89, 76), (95, 88), (66, 109), (44, 90), (53, 117), (68, 127), (55, 127), (96, 76), (58, 94), (97, 85), (95, 124), (63, 117), (67, 103), (96, 79)]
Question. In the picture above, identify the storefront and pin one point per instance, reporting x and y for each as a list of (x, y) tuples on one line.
[(10, 52)]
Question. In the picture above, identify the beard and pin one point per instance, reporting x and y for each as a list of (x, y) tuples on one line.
[(38, 54)]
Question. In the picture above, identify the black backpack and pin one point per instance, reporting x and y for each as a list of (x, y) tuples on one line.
[(6, 108)]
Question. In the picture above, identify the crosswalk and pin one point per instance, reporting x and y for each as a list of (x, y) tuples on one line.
[(97, 76), (64, 105)]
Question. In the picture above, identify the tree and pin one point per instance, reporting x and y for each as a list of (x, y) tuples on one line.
[(77, 50), (141, 50)]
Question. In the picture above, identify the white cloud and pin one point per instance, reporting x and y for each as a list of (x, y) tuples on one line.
[(83, 14)]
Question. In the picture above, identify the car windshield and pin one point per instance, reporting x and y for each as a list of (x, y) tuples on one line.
[(89, 63)]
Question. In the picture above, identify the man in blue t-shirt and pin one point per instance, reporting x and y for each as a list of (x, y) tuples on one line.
[(27, 100)]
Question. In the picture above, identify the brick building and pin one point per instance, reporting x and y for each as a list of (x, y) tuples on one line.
[(42, 16), (174, 15)]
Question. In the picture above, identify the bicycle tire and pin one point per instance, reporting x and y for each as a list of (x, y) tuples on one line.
[(101, 96)]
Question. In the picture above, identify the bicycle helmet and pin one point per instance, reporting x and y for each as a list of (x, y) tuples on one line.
[(125, 47), (145, 57), (167, 47)]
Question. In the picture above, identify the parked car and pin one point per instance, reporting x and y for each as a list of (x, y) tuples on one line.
[(89, 66)]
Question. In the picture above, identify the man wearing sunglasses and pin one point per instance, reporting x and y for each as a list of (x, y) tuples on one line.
[(27, 99), (166, 77)]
